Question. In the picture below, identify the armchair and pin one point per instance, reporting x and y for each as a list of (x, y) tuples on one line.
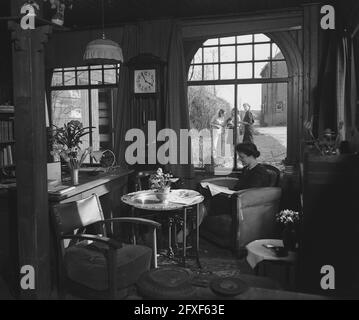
[(97, 266), (233, 221)]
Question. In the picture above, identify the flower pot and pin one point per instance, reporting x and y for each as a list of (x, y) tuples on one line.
[(289, 238), (163, 194), (74, 176)]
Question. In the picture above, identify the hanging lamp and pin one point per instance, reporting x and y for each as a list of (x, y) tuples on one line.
[(103, 51)]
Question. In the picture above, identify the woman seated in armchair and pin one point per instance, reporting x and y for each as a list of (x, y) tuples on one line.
[(254, 175), (235, 220)]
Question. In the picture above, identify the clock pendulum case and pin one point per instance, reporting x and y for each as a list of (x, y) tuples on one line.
[(147, 91)]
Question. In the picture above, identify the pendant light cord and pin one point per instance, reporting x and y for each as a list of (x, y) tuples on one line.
[(103, 18)]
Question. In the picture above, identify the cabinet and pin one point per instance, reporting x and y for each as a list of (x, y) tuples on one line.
[(330, 224), (7, 140)]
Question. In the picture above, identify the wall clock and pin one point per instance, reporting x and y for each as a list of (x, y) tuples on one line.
[(145, 81), (146, 75)]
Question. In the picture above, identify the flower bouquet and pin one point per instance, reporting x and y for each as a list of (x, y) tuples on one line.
[(66, 146), (160, 182), (290, 220)]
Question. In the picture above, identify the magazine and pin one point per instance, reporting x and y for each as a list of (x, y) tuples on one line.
[(215, 189)]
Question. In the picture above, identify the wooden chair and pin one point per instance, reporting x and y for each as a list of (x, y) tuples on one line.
[(97, 266)]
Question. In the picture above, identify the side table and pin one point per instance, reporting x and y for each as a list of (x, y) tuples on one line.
[(261, 258)]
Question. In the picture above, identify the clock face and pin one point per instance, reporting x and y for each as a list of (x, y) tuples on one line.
[(145, 81)]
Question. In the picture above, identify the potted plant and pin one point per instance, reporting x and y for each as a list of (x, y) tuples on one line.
[(66, 146), (160, 182), (289, 219), (59, 6)]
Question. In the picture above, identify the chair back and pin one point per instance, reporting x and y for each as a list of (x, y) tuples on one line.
[(274, 174), (71, 216)]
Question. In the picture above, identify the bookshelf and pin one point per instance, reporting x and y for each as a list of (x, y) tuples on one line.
[(7, 137)]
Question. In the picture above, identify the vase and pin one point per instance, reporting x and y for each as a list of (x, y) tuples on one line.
[(74, 176), (163, 194), (289, 238)]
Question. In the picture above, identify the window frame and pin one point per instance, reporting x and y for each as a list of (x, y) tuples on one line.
[(89, 87), (237, 81)]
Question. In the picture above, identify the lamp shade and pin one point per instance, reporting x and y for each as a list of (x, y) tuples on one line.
[(103, 51)]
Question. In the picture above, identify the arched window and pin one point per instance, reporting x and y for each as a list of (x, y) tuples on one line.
[(226, 74)]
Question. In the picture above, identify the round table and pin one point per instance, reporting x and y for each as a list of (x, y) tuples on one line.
[(179, 201)]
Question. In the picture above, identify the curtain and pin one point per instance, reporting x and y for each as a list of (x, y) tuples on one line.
[(177, 114), (346, 92), (123, 117), (163, 39), (326, 107)]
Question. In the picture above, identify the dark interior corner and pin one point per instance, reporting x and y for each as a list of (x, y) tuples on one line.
[(103, 194)]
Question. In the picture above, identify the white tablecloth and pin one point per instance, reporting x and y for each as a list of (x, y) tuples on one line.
[(257, 252)]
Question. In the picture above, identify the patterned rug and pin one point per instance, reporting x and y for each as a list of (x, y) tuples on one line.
[(214, 261)]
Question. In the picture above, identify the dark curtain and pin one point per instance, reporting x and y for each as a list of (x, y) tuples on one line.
[(123, 117), (163, 39), (177, 114), (325, 109)]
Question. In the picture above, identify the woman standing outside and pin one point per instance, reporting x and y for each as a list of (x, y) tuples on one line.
[(248, 121), (236, 127), (217, 125)]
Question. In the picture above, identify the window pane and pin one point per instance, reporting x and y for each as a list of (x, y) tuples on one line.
[(269, 108), (245, 70), (104, 119), (228, 54), (57, 79), (195, 73), (211, 54), (276, 53), (198, 57), (205, 102), (262, 51), (261, 38), (245, 39), (110, 66), (110, 76), (70, 105), (261, 70), (227, 40), (70, 78), (245, 53), (228, 71), (96, 76), (82, 77), (211, 72), (211, 42), (279, 69)]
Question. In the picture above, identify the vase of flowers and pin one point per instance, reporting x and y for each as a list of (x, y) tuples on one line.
[(161, 184), (289, 219), (66, 146)]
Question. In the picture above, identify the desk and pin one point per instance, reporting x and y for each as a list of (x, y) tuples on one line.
[(180, 200), (108, 186)]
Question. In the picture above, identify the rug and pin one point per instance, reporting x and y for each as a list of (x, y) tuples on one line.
[(214, 261)]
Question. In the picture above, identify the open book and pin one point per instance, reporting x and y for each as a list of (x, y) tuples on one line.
[(214, 189)]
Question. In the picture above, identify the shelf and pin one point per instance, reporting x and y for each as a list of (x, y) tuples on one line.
[(39, 22), (8, 142)]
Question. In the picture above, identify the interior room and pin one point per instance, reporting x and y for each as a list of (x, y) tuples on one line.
[(179, 149)]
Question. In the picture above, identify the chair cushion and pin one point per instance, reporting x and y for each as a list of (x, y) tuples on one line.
[(87, 265)]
